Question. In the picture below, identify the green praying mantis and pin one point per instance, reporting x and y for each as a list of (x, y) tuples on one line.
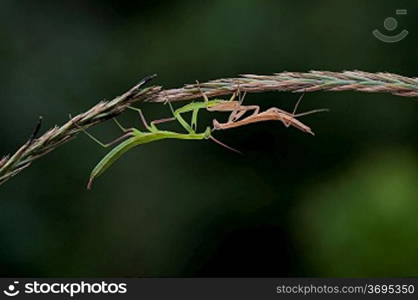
[(133, 137)]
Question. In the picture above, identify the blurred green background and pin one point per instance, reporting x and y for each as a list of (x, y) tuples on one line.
[(342, 203)]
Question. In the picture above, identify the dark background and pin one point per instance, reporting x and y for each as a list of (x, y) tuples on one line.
[(342, 203)]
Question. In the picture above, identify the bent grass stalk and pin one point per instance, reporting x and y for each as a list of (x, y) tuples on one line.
[(285, 81)]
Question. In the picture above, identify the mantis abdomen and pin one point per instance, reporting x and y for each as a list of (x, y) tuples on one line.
[(139, 138)]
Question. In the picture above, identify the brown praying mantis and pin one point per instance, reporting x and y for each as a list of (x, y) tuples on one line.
[(272, 114)]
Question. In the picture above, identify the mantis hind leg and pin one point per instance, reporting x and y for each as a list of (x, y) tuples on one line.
[(294, 115), (159, 121), (205, 98), (152, 127), (128, 133), (287, 124), (120, 125)]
